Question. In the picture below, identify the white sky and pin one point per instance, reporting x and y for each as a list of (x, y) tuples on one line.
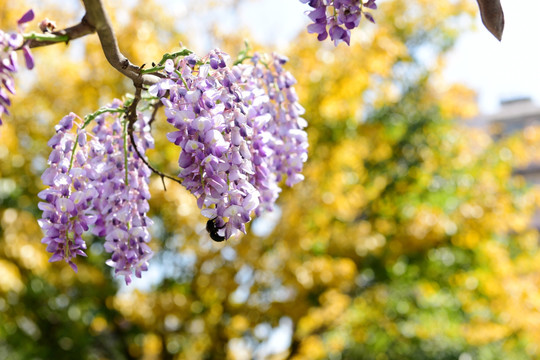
[(502, 70)]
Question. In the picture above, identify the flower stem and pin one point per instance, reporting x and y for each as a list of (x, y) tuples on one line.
[(181, 78), (87, 120), (174, 55), (46, 37), (126, 150), (153, 69)]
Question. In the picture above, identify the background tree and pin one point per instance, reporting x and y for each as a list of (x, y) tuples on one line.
[(393, 247)]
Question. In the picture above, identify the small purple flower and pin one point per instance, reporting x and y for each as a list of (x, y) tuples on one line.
[(28, 16), (121, 206), (66, 203), (89, 191), (371, 4), (28, 57), (338, 34), (345, 16), (9, 42)]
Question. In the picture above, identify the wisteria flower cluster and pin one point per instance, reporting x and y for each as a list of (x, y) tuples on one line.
[(97, 183), (337, 17), (9, 42), (240, 133)]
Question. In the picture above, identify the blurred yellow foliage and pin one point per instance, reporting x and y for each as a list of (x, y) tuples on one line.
[(10, 277), (409, 238)]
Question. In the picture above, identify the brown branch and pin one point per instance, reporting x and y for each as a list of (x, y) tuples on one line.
[(492, 16), (156, 106), (74, 32), (132, 117), (98, 18)]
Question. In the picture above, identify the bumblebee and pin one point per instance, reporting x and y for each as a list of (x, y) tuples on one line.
[(213, 229)]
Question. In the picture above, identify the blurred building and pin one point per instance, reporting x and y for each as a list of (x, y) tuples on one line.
[(517, 114)]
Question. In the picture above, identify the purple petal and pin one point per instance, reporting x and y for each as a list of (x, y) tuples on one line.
[(371, 5), (64, 205), (318, 28), (369, 17), (82, 138), (28, 16), (15, 40), (67, 122), (56, 257), (317, 14), (4, 98), (80, 253), (169, 66), (28, 58), (8, 83), (73, 266), (48, 176)]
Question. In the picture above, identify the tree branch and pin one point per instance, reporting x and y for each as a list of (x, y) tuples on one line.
[(492, 16), (74, 32), (156, 105), (99, 20)]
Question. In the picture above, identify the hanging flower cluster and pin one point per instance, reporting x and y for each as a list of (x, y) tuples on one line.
[(66, 205), (337, 17), (279, 147), (240, 132), (9, 42), (96, 182)]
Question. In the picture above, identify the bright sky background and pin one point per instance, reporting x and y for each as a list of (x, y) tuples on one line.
[(496, 70), (502, 70)]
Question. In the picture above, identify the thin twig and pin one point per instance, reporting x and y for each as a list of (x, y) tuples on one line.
[(71, 33), (156, 106), (132, 117)]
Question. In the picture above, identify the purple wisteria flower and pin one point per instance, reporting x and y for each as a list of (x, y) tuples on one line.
[(90, 189), (204, 105), (67, 203), (239, 131), (21, 24), (122, 203), (279, 146), (337, 17), (9, 42)]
